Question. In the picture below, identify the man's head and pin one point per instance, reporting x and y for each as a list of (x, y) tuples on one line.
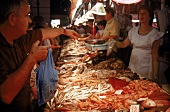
[(110, 12), (15, 15), (9, 6)]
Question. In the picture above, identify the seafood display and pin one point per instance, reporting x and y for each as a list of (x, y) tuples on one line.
[(106, 85)]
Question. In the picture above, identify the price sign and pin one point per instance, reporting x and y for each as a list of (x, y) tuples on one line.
[(134, 108)]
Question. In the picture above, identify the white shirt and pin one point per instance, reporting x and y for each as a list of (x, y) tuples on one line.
[(141, 55)]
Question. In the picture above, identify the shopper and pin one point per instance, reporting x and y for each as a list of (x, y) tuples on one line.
[(146, 41), (20, 50)]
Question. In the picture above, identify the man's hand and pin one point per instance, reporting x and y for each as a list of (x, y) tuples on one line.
[(39, 53), (72, 34)]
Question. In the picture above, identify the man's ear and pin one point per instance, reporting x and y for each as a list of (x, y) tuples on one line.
[(12, 19)]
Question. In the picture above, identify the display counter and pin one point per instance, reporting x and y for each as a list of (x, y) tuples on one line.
[(88, 81)]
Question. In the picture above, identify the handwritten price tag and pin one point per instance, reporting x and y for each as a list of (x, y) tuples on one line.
[(134, 108), (118, 92)]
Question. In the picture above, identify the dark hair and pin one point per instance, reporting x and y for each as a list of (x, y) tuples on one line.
[(7, 6), (110, 10), (149, 10), (103, 23)]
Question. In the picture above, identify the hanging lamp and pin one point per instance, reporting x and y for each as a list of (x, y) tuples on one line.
[(127, 1)]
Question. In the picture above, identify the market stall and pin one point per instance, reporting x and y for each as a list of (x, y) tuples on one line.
[(89, 81)]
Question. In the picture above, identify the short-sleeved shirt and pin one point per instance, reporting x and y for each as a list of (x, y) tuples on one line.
[(112, 28), (11, 58), (141, 55)]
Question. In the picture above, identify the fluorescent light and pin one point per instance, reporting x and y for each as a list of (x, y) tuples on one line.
[(135, 21)]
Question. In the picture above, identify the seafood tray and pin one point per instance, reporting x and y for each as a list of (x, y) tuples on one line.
[(94, 47)]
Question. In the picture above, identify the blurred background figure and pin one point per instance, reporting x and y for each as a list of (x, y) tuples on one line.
[(39, 22), (80, 29), (101, 26), (93, 27), (31, 26), (87, 29)]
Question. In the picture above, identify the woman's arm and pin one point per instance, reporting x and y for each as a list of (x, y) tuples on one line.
[(155, 58), (123, 44), (113, 43)]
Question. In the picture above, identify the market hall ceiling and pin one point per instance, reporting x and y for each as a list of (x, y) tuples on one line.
[(60, 7)]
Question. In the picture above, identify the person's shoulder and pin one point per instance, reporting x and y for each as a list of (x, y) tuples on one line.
[(155, 29), (114, 19), (134, 28)]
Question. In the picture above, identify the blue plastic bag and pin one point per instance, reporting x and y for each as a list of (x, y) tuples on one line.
[(47, 80)]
